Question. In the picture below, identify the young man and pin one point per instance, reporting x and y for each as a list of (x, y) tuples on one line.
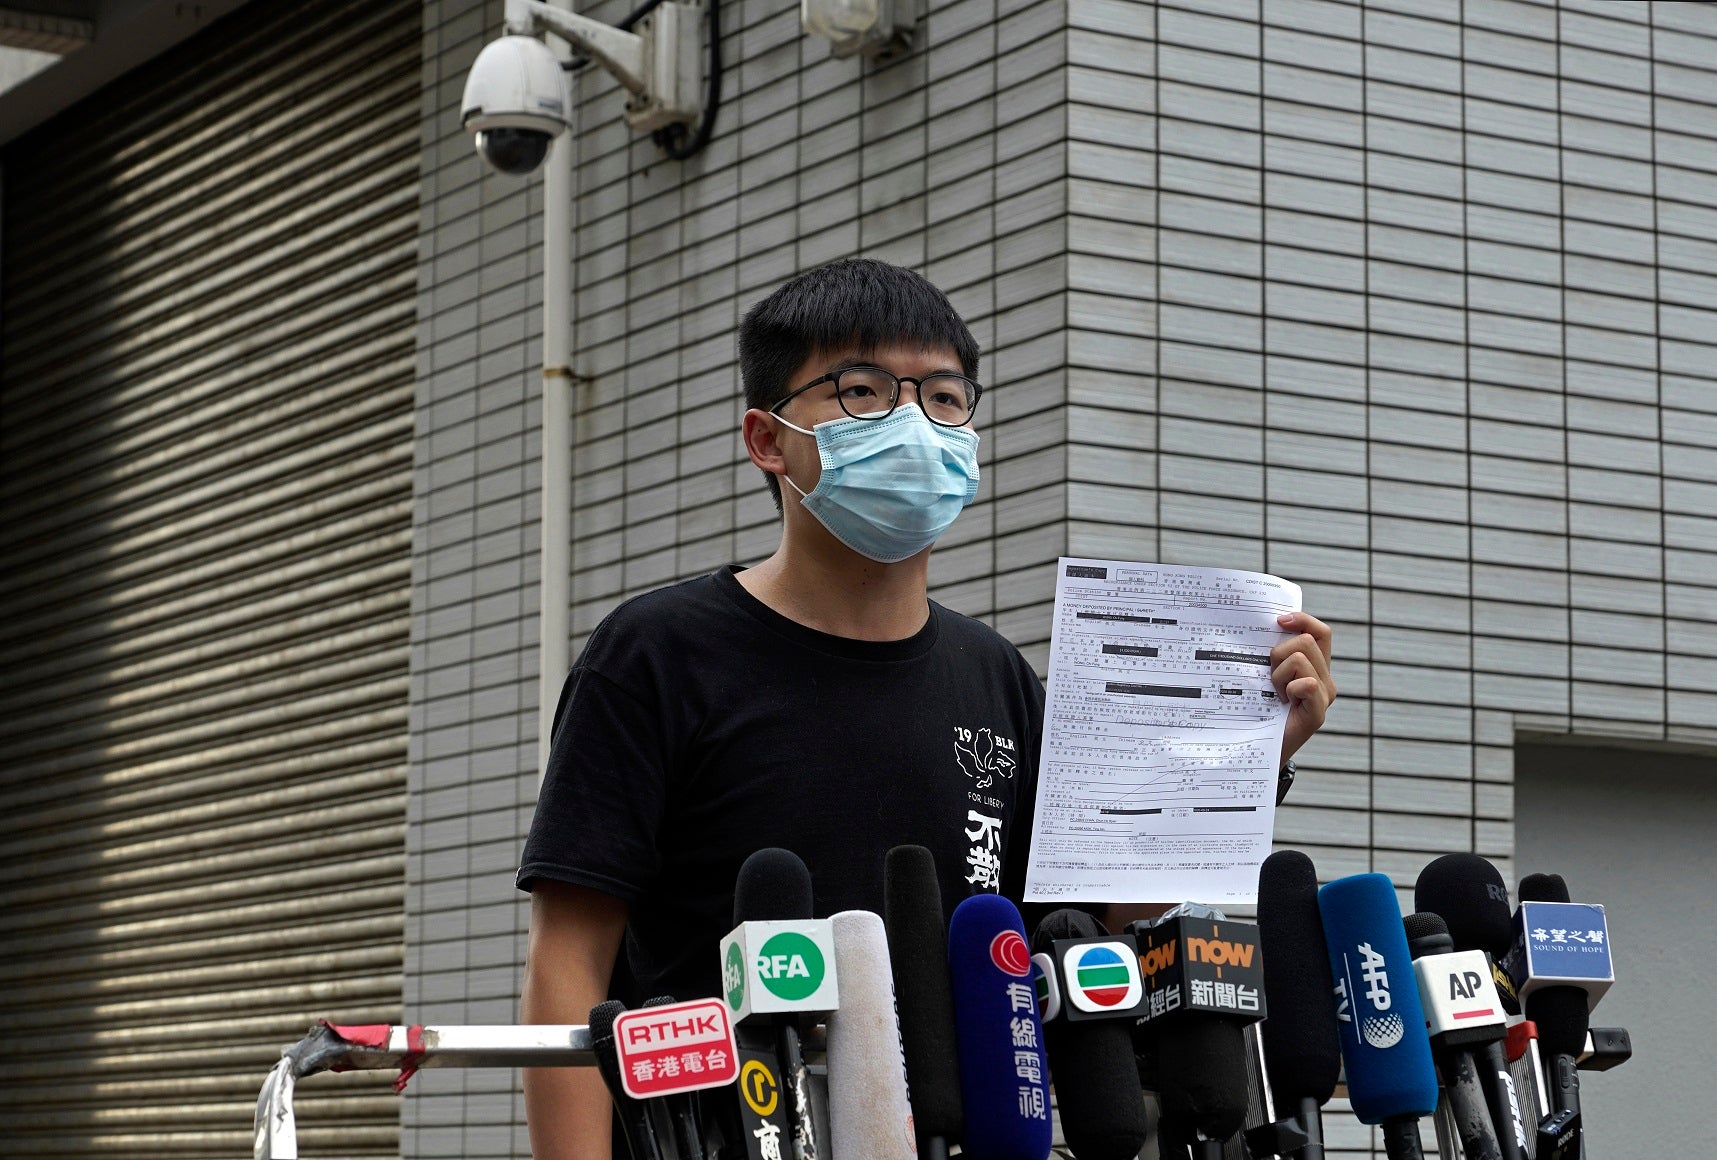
[(817, 701)]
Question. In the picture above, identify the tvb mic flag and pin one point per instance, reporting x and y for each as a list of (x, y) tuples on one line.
[(1091, 1057)]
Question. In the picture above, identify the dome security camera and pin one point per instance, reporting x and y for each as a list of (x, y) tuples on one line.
[(515, 103)]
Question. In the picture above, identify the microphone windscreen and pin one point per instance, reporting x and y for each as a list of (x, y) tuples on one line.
[(1383, 1035), (1469, 893), (1302, 1053), (1064, 924), (1096, 1077), (1003, 1084), (1563, 1014), (601, 1027), (918, 950), (629, 1120), (773, 886), (870, 1113), (1203, 1080), (1543, 888), (1424, 924)]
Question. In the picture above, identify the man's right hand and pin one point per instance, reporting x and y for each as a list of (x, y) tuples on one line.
[(574, 938)]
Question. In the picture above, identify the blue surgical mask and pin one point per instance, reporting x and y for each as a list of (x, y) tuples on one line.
[(890, 487)]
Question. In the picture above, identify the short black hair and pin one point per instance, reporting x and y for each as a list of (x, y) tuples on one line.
[(854, 303)]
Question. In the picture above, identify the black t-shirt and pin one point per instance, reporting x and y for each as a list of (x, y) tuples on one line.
[(699, 726)]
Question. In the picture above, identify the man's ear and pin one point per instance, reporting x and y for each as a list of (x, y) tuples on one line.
[(760, 444)]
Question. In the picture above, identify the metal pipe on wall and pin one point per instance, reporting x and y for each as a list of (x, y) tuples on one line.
[(554, 656)]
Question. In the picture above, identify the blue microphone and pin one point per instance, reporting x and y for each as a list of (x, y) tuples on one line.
[(1004, 1079), (1390, 1078)]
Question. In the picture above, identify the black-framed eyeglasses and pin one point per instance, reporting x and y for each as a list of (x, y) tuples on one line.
[(947, 399)]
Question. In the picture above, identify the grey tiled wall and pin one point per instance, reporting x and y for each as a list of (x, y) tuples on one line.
[(1410, 302)]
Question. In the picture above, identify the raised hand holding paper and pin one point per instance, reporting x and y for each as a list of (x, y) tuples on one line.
[(1162, 734)]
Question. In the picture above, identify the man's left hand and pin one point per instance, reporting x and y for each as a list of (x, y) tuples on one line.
[(1299, 668)]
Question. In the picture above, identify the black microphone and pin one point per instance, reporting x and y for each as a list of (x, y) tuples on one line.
[(1203, 981), (1562, 1014), (918, 954), (1468, 893), (679, 1113), (1302, 1051), (774, 886), (1462, 1012), (1091, 1060), (634, 1120)]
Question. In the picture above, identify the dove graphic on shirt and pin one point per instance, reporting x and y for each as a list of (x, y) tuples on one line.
[(983, 756)]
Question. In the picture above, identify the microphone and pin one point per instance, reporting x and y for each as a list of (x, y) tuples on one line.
[(1561, 962), (1606, 1047), (774, 885), (870, 1112), (635, 1123), (1203, 982), (918, 951), (1302, 1052), (1467, 892), (1390, 1080), (778, 963), (1091, 1058), (680, 1112), (999, 1038), (1462, 1010)]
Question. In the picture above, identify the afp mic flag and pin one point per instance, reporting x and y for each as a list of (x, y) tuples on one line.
[(1390, 1079)]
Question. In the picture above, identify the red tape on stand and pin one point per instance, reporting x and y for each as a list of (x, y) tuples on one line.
[(361, 1034), (413, 1054)]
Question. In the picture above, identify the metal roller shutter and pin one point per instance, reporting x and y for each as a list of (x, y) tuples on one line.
[(209, 277)]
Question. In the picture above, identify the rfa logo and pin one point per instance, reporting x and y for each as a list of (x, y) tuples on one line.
[(790, 966), (984, 756), (733, 976)]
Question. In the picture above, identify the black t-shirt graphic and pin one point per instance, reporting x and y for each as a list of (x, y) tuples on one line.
[(699, 726)]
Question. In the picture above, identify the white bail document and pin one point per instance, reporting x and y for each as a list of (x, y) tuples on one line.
[(1162, 734)]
